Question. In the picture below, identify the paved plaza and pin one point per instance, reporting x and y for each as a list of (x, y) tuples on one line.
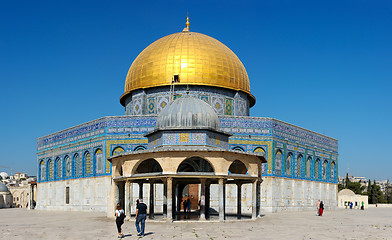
[(374, 223)]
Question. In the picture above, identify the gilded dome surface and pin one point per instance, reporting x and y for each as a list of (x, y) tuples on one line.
[(188, 113), (196, 58)]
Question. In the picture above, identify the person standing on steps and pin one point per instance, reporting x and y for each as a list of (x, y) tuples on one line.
[(120, 215), (141, 213)]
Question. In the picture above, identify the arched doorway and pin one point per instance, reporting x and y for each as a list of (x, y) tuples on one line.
[(191, 191)]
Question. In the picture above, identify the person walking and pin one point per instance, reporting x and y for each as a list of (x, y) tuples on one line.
[(318, 207), (321, 209), (188, 205), (141, 212), (120, 215)]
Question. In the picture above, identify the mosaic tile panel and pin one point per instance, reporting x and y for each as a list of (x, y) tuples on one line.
[(151, 106), (228, 106)]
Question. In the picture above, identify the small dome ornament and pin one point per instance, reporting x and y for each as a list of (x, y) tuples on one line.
[(188, 112), (187, 25)]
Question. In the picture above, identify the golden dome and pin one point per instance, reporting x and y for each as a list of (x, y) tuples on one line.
[(196, 58)]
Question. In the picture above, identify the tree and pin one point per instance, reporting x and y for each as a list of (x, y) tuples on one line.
[(388, 192), (369, 191), (347, 181)]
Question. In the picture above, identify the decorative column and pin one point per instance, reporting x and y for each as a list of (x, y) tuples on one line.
[(141, 190), (221, 200), (116, 194), (169, 195), (164, 180), (202, 199), (151, 216), (127, 199), (254, 199), (207, 206), (239, 195)]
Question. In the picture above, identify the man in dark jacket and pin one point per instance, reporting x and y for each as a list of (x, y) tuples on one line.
[(141, 213)]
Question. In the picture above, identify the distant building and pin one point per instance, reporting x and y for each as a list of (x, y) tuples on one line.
[(346, 196), (5, 196)]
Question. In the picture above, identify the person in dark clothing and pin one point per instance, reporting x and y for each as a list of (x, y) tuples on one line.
[(321, 209), (120, 215), (185, 205), (141, 213), (188, 205)]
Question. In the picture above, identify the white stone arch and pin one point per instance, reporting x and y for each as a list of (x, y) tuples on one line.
[(191, 162), (149, 165), (238, 167)]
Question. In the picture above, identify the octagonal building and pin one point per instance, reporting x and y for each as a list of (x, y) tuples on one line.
[(187, 97)]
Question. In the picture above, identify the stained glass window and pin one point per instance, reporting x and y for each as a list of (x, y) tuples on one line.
[(298, 166), (308, 166), (87, 160), (59, 168), (50, 168), (68, 166), (324, 170), (289, 161), (43, 170), (316, 169), (77, 165), (98, 159), (332, 171), (278, 162)]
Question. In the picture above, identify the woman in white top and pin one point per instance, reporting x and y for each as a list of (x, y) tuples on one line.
[(120, 215)]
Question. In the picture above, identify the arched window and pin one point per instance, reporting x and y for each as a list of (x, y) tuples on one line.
[(289, 161), (98, 161), (332, 178), (68, 166), (59, 168), (77, 165), (261, 151), (324, 169), (50, 169), (316, 169), (149, 166), (307, 169), (298, 166), (238, 167), (195, 164), (42, 168), (138, 148), (117, 151), (278, 162), (238, 148), (87, 163)]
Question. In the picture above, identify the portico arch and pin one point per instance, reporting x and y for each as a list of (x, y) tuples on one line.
[(148, 166), (238, 167), (195, 164)]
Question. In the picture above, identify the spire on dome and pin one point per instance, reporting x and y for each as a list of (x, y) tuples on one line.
[(187, 24)]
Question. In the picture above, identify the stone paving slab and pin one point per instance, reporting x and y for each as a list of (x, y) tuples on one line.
[(374, 223)]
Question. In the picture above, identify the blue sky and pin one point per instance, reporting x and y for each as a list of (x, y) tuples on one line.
[(322, 65)]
